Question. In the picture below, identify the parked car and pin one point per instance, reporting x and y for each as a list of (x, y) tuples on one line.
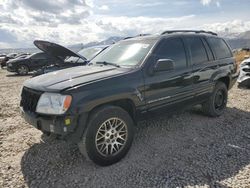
[(97, 106), (2, 58), (78, 59), (244, 77), (23, 66), (6, 58)]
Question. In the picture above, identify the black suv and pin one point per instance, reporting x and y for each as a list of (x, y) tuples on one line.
[(97, 106)]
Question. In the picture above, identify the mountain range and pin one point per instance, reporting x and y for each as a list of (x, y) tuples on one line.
[(235, 40), (242, 40)]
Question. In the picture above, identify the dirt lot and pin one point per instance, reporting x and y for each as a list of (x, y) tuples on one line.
[(184, 150)]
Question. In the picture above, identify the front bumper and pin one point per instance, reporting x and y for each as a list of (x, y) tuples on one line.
[(68, 128)]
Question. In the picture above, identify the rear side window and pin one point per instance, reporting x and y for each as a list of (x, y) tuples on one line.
[(197, 50), (219, 47), (172, 49)]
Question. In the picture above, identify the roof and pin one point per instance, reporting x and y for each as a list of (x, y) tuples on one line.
[(174, 33)]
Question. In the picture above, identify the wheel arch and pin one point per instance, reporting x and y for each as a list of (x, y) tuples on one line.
[(126, 104), (225, 80)]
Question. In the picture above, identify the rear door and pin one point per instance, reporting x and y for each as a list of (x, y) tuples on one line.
[(168, 87), (203, 64)]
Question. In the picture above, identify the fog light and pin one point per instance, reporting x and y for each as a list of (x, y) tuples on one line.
[(67, 121)]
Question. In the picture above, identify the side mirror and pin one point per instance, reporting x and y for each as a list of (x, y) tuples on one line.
[(164, 65)]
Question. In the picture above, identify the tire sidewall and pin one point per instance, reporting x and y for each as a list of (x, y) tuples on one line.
[(219, 86), (94, 124)]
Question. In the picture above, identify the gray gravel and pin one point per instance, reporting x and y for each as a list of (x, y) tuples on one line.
[(183, 150)]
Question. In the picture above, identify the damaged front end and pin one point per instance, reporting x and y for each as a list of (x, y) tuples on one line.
[(244, 77)]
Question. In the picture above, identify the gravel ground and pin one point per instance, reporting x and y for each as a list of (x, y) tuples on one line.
[(183, 150)]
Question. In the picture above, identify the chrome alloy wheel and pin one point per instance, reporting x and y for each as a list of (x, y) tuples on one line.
[(111, 137)]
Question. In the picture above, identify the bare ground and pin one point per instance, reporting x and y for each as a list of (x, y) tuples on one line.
[(185, 150)]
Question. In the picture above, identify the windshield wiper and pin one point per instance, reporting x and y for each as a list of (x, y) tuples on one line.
[(107, 63)]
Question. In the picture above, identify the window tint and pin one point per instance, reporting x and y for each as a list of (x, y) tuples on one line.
[(219, 48), (172, 49), (197, 49), (209, 51)]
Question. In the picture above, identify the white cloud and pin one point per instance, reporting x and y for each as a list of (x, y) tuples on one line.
[(90, 30), (151, 4), (127, 26), (73, 21), (29, 12), (208, 2), (104, 7), (231, 27)]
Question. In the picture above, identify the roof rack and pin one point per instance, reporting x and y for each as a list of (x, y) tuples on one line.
[(139, 35), (188, 31)]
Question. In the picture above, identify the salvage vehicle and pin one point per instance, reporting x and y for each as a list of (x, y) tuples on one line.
[(244, 77), (97, 106), (2, 58), (23, 66), (53, 54), (6, 58), (71, 59)]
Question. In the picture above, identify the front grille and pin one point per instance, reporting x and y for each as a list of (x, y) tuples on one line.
[(29, 99)]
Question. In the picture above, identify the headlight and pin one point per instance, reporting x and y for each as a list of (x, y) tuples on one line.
[(53, 103)]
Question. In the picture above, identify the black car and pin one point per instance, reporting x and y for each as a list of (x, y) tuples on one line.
[(71, 60), (5, 59), (97, 106), (23, 66)]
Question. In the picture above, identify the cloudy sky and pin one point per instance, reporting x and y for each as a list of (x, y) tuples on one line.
[(82, 21)]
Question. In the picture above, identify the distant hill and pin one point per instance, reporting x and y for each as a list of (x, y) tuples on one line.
[(235, 40), (242, 40), (109, 41)]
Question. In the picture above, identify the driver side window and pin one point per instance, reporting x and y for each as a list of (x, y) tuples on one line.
[(172, 49)]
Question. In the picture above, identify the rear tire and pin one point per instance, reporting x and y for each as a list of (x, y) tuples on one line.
[(217, 102), (108, 136), (22, 70)]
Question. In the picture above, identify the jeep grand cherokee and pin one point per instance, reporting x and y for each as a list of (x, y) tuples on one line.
[(97, 106)]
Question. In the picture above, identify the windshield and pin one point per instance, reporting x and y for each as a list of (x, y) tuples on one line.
[(125, 53), (90, 53)]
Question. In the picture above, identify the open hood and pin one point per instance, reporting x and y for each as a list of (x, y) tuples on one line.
[(57, 50)]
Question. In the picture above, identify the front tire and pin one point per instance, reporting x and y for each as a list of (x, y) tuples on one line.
[(108, 137), (22, 70), (217, 102)]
